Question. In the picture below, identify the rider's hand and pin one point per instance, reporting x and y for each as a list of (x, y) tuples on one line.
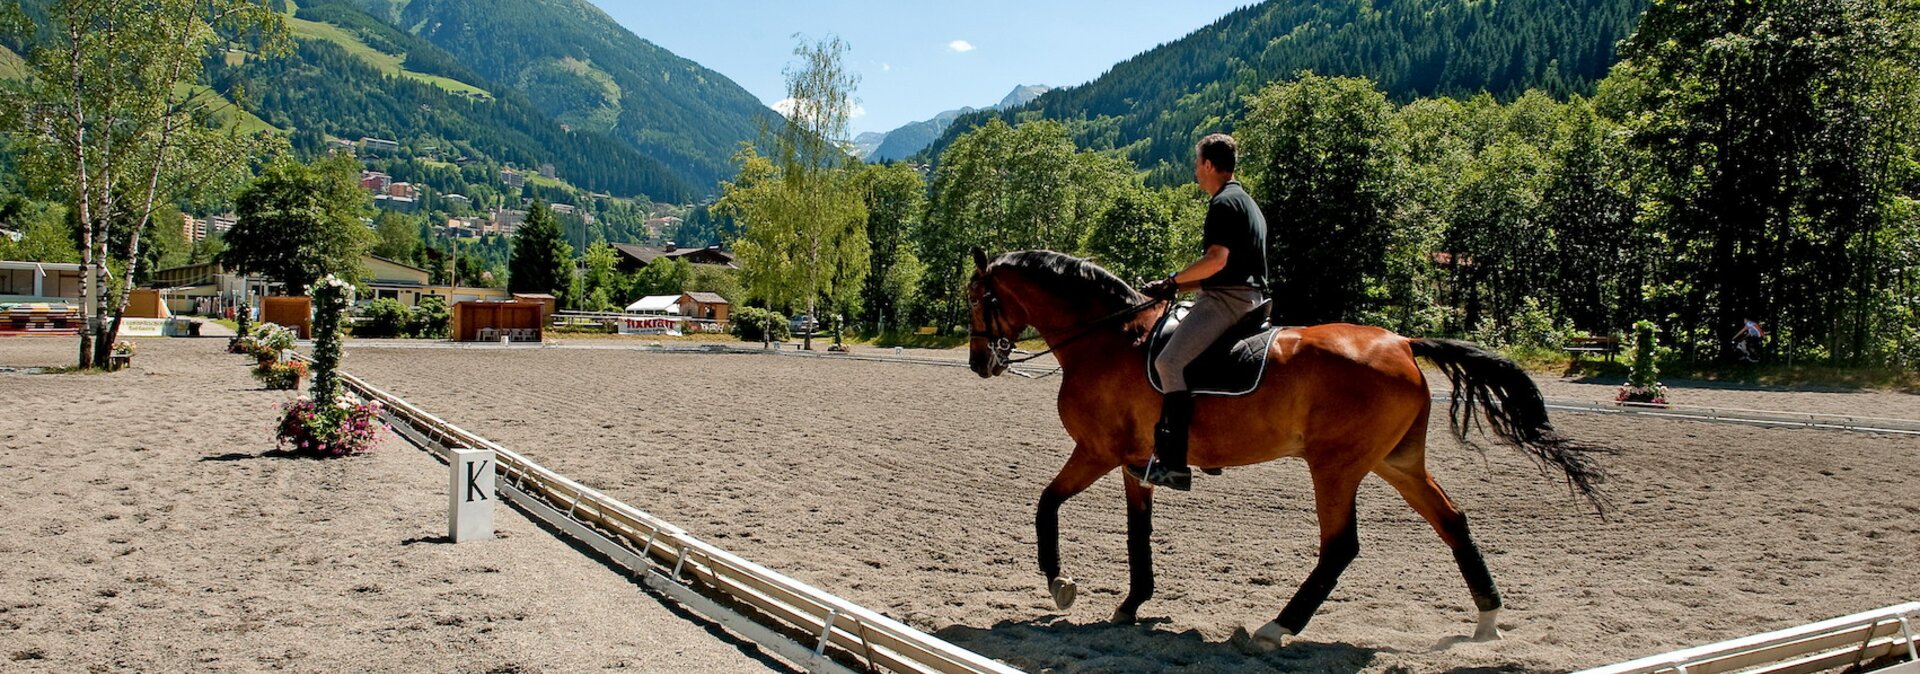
[(1163, 288)]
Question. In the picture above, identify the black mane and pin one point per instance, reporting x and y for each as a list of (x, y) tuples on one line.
[(1081, 278)]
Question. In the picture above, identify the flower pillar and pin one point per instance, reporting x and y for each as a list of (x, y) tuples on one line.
[(330, 298), (1643, 382)]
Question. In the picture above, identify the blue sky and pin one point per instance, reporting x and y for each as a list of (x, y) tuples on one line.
[(916, 59)]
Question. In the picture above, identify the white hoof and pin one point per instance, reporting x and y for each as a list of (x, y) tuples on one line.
[(1122, 616), (1064, 591), (1489, 628), (1269, 638)]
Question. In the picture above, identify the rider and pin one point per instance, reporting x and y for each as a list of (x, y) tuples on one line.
[(1230, 276), (1747, 340)]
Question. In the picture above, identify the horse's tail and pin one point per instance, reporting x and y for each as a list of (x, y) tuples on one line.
[(1513, 408)]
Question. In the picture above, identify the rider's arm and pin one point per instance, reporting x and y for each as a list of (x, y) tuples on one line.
[(1211, 263)]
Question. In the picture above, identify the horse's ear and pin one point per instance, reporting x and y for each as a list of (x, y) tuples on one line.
[(979, 258)]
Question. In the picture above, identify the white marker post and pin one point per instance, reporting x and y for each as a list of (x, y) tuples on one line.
[(470, 495)]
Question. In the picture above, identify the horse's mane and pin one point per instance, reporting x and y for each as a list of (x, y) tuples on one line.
[(1080, 278)]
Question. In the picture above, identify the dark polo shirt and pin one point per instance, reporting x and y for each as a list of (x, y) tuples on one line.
[(1234, 221)]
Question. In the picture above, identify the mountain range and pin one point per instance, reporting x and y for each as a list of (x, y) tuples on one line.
[(525, 83), (916, 136)]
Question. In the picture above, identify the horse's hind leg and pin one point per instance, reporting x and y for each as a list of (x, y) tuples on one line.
[(1075, 477), (1334, 489), (1408, 474)]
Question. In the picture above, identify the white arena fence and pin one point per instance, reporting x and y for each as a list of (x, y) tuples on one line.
[(1849, 642), (1727, 415), (676, 563)]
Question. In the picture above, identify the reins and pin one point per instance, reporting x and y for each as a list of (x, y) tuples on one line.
[(1003, 347)]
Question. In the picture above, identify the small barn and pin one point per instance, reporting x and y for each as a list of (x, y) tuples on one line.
[(704, 306), (491, 321)]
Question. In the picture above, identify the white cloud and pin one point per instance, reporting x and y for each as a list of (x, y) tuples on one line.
[(886, 67), (785, 107), (960, 46)]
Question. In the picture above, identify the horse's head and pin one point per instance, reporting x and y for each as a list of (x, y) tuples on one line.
[(995, 323)]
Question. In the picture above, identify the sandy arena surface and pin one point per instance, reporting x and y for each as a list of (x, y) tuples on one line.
[(906, 488), (911, 488), (146, 532)]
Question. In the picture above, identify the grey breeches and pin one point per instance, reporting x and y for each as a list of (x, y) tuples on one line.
[(1211, 315)]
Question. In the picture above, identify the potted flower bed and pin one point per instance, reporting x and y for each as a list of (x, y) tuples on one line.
[(280, 375), (122, 356), (268, 342), (340, 428)]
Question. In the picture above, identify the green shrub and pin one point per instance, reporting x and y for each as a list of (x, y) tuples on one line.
[(383, 317), (755, 325), (430, 318)]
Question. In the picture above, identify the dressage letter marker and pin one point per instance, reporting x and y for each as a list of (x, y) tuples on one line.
[(470, 495)]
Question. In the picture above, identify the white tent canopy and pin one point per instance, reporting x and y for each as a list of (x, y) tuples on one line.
[(656, 304)]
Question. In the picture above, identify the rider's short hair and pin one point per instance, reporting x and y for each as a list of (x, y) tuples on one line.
[(1219, 150)]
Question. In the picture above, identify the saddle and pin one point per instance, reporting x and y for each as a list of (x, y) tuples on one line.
[(1232, 366)]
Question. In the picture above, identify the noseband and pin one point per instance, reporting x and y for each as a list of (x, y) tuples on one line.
[(1002, 345)]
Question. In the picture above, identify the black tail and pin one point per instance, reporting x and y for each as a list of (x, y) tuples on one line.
[(1513, 408)]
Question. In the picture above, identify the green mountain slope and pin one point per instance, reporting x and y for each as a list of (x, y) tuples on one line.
[(1156, 104), (580, 66), (352, 75)]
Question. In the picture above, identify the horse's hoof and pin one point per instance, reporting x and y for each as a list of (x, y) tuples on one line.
[(1064, 591), (1269, 638), (1489, 627), (1122, 616)]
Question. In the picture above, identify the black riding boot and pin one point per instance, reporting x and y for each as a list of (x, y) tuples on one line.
[(1169, 465)]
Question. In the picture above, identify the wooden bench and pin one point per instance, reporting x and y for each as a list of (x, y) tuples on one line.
[(1579, 346), (928, 330)]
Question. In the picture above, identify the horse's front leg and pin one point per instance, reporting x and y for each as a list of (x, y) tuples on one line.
[(1079, 473), (1139, 551)]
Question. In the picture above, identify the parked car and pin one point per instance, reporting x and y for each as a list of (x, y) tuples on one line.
[(802, 324)]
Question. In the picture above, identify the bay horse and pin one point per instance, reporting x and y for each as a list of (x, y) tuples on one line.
[(1348, 399)]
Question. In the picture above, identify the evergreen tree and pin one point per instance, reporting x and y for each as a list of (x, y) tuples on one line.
[(542, 260)]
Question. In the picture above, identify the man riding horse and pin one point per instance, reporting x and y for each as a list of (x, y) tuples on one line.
[(1230, 276)]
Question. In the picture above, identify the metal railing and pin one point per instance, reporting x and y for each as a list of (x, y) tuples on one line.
[(1848, 641), (672, 560)]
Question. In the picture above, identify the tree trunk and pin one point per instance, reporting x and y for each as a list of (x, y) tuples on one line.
[(806, 342)]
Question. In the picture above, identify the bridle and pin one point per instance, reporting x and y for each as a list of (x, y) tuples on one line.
[(1001, 345)]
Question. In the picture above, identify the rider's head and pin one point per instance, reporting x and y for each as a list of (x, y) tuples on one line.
[(1214, 161)]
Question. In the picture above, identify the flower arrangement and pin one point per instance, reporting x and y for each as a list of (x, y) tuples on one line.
[(338, 429), (267, 341), (279, 376), (1643, 382), (243, 331), (328, 424), (124, 348)]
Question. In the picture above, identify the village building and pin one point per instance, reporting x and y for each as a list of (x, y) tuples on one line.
[(512, 178), (39, 282), (635, 257), (378, 145)]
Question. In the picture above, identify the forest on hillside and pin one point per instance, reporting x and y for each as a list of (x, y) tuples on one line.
[(1149, 104)]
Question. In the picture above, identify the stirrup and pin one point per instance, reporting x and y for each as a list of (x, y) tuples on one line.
[(1158, 474)]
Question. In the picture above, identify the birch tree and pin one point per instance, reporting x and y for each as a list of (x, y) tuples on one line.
[(110, 120), (804, 221)]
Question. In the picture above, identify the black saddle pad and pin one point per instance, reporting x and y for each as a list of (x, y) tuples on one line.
[(1232, 366)]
